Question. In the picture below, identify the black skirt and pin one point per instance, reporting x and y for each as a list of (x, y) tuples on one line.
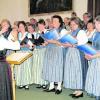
[(5, 80)]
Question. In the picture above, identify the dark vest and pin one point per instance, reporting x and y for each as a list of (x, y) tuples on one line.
[(3, 54)]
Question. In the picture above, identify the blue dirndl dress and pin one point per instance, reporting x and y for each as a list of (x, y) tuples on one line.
[(93, 75), (37, 66), (53, 63), (75, 68), (23, 72)]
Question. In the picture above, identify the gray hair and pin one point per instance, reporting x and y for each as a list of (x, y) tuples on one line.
[(97, 18)]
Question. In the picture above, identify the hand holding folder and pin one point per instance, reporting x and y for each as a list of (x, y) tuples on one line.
[(87, 49)]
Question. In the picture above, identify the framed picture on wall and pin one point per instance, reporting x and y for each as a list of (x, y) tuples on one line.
[(49, 6)]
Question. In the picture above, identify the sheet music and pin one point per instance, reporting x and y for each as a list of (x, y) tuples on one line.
[(68, 38), (53, 34), (87, 49)]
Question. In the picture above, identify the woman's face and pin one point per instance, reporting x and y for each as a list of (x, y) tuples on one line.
[(66, 20), (55, 23), (21, 28), (5, 26), (73, 25), (90, 26), (85, 18), (41, 27), (30, 29), (97, 25)]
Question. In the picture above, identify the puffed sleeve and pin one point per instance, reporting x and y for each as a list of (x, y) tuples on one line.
[(82, 37), (63, 32), (6, 44)]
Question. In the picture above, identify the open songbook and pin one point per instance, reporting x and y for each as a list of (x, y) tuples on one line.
[(87, 49), (50, 35), (68, 38), (18, 57)]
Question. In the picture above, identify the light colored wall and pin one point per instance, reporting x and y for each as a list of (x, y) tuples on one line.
[(18, 10)]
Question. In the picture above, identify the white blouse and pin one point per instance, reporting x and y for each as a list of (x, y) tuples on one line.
[(63, 32), (89, 35), (82, 37)]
